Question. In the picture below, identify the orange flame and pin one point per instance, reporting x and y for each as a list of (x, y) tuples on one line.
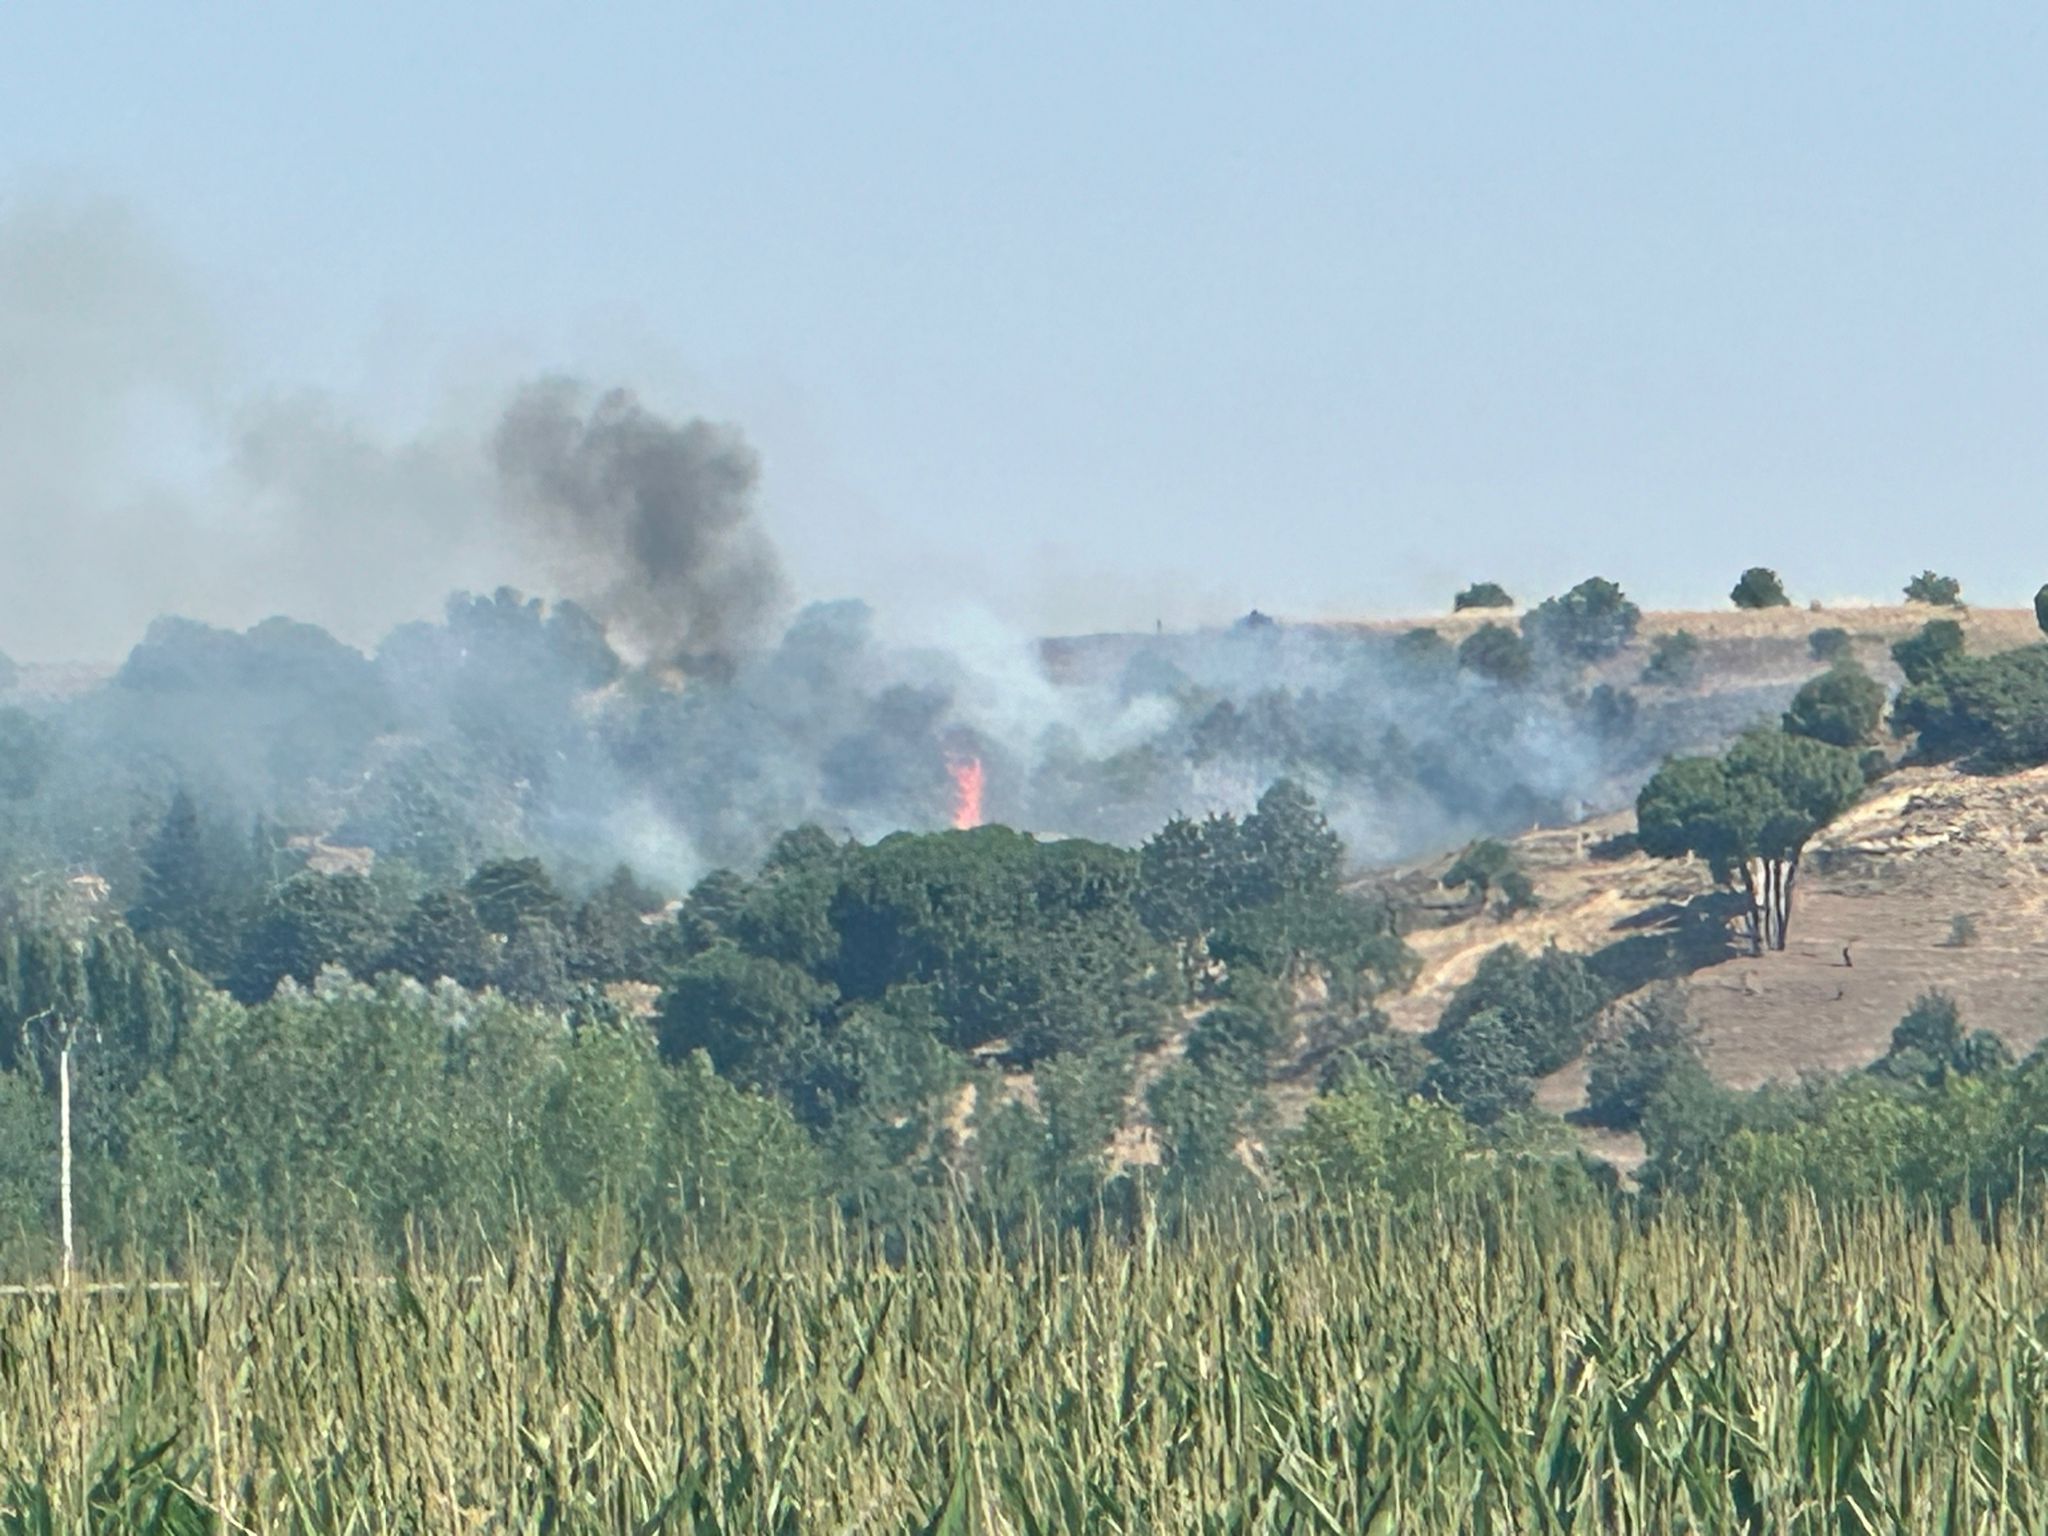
[(966, 772)]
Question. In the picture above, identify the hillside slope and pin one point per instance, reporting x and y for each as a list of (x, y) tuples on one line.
[(1885, 883)]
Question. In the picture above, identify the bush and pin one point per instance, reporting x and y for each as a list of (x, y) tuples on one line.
[(1482, 594), (1962, 931), (1830, 645), (1674, 660), (1517, 1018), (1497, 653), (1517, 894), (1425, 653), (1611, 712), (1759, 587), (1587, 624), (1924, 655), (1938, 591), (1629, 1066), (1483, 1067), (1842, 707)]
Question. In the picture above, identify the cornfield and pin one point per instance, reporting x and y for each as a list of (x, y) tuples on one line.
[(1881, 1371)]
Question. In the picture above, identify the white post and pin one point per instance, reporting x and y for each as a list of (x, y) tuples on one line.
[(64, 1147)]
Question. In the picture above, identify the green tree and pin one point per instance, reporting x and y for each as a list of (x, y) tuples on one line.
[(1424, 653), (1830, 645), (1759, 587), (1497, 653), (507, 890), (1629, 1066), (1926, 654), (187, 901), (1482, 594), (760, 1021), (2041, 609), (1749, 814), (309, 921), (1939, 591), (1484, 1068), (1842, 707), (1674, 660), (611, 939), (1547, 1002), (1587, 624), (1290, 847), (440, 937), (1479, 868), (534, 967)]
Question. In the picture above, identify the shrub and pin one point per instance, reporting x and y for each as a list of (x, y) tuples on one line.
[(1674, 660), (1482, 594), (1497, 653), (1962, 931), (1587, 624), (1938, 591), (1629, 1066), (1831, 644), (1842, 707), (1759, 587), (1611, 712)]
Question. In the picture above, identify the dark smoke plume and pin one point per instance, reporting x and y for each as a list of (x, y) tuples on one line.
[(654, 519)]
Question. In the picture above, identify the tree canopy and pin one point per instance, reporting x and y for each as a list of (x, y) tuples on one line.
[(1587, 624), (1482, 594), (1759, 587), (1750, 813)]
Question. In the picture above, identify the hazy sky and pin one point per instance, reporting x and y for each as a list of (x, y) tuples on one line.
[(1091, 314)]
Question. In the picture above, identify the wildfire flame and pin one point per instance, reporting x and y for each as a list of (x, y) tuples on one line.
[(966, 772)]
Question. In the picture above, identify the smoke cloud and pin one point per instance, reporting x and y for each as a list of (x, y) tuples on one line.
[(652, 521), (561, 724)]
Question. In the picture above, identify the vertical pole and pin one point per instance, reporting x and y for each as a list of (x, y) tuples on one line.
[(64, 1147)]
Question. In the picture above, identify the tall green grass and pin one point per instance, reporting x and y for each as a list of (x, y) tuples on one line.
[(1876, 1371)]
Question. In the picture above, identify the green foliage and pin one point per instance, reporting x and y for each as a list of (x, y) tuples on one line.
[(192, 884), (1482, 594), (1925, 655), (1498, 654), (1368, 1141), (1518, 1018), (1291, 850), (1479, 868), (1991, 711), (760, 1021), (1587, 624), (506, 891), (1517, 894), (440, 937), (610, 939), (534, 967), (1348, 939), (1759, 587), (308, 922), (1425, 654), (1759, 802), (1483, 1067), (1962, 931), (2041, 608), (1830, 644), (1939, 591), (1611, 712), (1630, 1066), (1842, 707), (1674, 660)]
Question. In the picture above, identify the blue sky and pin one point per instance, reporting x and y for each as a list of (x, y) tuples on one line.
[(1100, 314)]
